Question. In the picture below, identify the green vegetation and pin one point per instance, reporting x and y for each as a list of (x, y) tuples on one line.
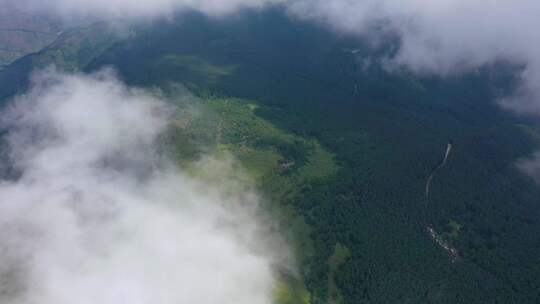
[(194, 66), (337, 259), (453, 229), (290, 292), (279, 162), (342, 152), (71, 51)]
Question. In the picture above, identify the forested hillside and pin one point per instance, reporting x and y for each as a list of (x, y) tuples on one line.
[(343, 149)]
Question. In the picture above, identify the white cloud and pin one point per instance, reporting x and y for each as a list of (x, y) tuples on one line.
[(531, 166), (99, 216), (439, 37), (444, 37), (136, 8), (447, 36)]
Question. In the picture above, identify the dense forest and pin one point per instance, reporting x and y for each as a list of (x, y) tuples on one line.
[(354, 146)]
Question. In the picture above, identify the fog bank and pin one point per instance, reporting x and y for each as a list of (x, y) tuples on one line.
[(99, 215), (436, 37)]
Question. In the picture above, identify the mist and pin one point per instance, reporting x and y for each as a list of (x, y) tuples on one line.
[(443, 37), (132, 9), (99, 214)]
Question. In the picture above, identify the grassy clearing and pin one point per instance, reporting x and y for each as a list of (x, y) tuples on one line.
[(453, 229), (278, 163), (291, 291), (341, 255), (193, 66)]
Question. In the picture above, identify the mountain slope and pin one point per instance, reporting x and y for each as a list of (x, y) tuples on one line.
[(343, 149), (71, 51)]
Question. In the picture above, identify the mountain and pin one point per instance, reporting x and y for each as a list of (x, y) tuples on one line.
[(23, 33), (71, 51), (343, 150)]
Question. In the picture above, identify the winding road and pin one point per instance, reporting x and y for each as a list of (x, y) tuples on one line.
[(441, 165)]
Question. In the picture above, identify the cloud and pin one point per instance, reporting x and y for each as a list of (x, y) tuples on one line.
[(531, 166), (136, 8), (437, 37), (99, 215), (443, 37), (446, 36)]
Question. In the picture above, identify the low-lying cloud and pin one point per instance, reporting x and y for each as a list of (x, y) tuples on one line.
[(446, 36), (437, 37), (136, 8), (97, 214)]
